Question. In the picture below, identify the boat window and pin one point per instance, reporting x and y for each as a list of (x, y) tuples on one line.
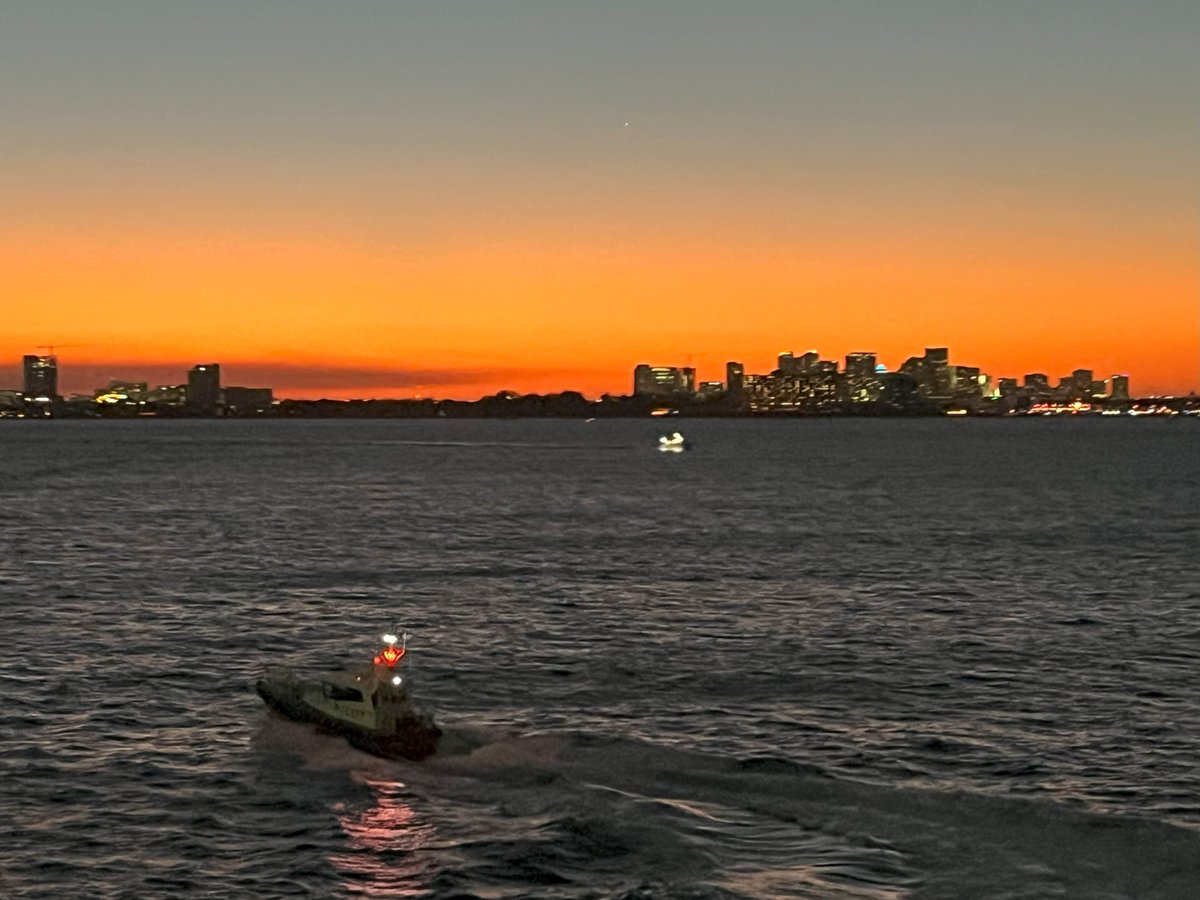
[(333, 692)]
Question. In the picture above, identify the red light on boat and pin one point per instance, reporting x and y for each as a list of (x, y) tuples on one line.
[(378, 660), (391, 655)]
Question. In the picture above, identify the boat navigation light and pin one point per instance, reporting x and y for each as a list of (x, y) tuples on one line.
[(390, 639), (396, 679), (390, 655)]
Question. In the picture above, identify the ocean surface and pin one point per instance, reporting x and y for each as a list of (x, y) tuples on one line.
[(821, 658)]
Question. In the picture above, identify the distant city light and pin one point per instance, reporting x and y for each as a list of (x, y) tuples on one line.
[(801, 384)]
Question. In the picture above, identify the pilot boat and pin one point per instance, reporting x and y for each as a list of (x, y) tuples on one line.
[(369, 706), (676, 443)]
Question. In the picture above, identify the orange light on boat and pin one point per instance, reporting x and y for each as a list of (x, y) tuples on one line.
[(391, 655)]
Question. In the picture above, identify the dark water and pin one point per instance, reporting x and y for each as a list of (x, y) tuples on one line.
[(931, 659)]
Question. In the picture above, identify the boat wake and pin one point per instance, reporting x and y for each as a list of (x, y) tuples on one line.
[(621, 815)]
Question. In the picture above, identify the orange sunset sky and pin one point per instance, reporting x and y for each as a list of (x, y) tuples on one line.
[(375, 200)]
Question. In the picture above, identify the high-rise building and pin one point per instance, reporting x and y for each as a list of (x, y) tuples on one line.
[(917, 368), (1118, 387), (967, 381), (204, 388), (1066, 390), (860, 365), (41, 378), (735, 379), (940, 372), (790, 364), (823, 382), (1037, 384), (861, 378), (1082, 379), (663, 381)]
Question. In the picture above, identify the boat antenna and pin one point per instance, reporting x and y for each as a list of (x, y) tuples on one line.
[(391, 638)]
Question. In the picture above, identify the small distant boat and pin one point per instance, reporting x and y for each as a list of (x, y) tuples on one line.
[(369, 706), (675, 443)]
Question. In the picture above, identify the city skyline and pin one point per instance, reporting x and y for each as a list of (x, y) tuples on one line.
[(796, 380), (801, 384), (89, 376), (390, 200), (41, 374)]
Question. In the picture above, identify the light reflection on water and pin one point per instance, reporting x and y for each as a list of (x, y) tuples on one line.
[(383, 843)]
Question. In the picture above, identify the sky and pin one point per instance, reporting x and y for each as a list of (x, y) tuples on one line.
[(391, 199)]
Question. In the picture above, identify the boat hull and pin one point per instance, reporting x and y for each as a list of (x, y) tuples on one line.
[(415, 735)]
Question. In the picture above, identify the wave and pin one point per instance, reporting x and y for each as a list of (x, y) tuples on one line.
[(644, 819)]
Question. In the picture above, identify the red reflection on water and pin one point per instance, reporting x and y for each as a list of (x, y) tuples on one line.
[(384, 857)]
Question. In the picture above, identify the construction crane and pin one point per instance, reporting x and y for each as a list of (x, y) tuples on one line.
[(50, 347)]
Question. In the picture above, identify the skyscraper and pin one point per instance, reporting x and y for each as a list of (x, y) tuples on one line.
[(204, 388), (663, 381), (1037, 384), (862, 382), (968, 382), (1082, 379), (860, 365), (41, 377), (790, 364), (735, 379), (937, 363)]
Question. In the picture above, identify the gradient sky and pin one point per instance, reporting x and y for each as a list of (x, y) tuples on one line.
[(449, 198)]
